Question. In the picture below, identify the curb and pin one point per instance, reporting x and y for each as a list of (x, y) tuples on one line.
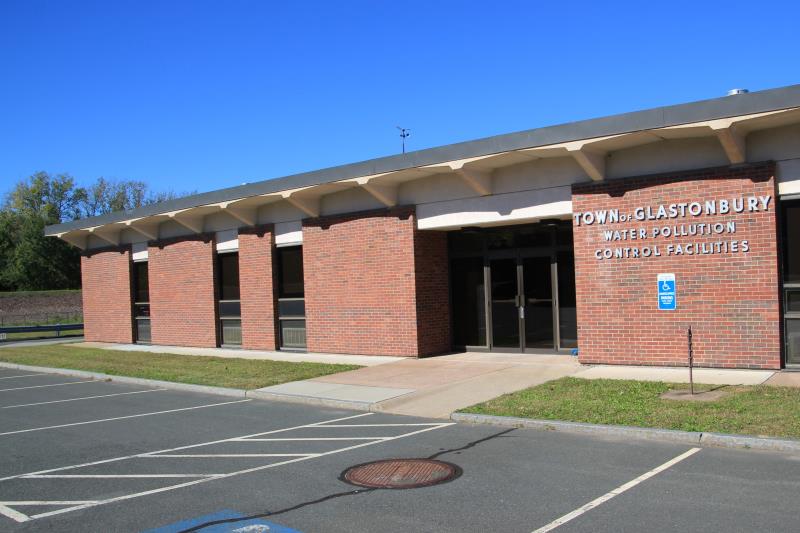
[(223, 391), (311, 400), (205, 389), (717, 440)]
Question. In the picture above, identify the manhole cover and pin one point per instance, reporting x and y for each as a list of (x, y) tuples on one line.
[(401, 473)]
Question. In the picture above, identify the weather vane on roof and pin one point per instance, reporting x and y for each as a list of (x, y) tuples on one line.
[(404, 132)]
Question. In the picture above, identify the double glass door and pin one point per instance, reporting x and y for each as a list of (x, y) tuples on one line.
[(522, 304), (513, 288)]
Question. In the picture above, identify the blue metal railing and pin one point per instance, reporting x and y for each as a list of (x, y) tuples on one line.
[(57, 328)]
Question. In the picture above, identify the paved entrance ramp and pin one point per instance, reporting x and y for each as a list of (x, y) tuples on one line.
[(433, 387)]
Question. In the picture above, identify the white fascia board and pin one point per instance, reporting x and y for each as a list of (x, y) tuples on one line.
[(511, 208), (227, 241), (288, 233), (139, 251)]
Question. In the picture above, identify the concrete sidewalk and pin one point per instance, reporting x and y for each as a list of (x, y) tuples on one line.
[(433, 387), (437, 386), (292, 357)]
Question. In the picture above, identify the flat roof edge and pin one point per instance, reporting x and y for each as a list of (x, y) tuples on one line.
[(659, 117)]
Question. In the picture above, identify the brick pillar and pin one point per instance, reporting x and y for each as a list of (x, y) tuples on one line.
[(258, 288), (730, 296), (182, 291), (432, 275), (107, 304), (375, 285)]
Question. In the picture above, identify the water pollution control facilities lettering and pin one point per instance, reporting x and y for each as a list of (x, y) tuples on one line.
[(628, 241)]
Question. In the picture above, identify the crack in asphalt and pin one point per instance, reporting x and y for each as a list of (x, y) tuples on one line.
[(267, 514)]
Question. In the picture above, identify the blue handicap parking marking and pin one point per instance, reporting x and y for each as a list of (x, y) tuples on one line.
[(231, 523), (667, 300)]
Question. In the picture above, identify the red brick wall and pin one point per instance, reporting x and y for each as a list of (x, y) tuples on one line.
[(364, 273), (731, 300), (257, 284), (182, 291), (433, 295), (106, 281)]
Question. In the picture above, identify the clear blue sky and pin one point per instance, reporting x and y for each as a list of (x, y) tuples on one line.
[(199, 95)]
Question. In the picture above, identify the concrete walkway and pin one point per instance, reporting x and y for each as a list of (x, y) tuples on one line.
[(433, 387), (292, 357), (437, 386)]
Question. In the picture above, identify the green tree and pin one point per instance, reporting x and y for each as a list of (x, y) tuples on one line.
[(31, 261)]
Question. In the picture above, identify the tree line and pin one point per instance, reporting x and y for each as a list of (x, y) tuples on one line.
[(31, 261)]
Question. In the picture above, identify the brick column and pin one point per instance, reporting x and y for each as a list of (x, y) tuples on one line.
[(182, 291), (729, 296), (432, 275), (374, 285), (107, 304), (258, 288)]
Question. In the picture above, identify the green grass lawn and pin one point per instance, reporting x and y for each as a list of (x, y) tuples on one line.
[(760, 410), (199, 370)]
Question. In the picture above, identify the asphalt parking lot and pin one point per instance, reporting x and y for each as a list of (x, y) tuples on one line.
[(78, 455)]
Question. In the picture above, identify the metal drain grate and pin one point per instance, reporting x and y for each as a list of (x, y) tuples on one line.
[(401, 473)]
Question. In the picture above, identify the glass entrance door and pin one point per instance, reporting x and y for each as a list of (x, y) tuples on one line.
[(537, 278), (505, 292), (513, 288), (522, 303)]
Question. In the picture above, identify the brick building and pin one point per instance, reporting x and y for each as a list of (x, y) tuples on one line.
[(610, 237)]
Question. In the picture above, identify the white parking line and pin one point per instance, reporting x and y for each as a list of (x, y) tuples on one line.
[(82, 398), (616, 492), (6, 507), (119, 418), (52, 385), (375, 425), (48, 502), (228, 455), (302, 439), (12, 514), (168, 450), (23, 376), (115, 476)]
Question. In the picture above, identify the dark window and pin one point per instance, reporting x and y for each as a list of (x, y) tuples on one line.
[(791, 277), (290, 272), (791, 243), (228, 276), (141, 302), (467, 242), (564, 234), (469, 302), (141, 285), (291, 302), (540, 235), (567, 310), (230, 324)]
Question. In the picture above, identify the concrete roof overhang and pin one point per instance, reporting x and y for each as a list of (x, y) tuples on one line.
[(729, 119)]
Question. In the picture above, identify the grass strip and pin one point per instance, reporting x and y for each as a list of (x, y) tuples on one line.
[(748, 410), (199, 370)]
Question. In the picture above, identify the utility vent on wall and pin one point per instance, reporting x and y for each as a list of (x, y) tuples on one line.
[(294, 336)]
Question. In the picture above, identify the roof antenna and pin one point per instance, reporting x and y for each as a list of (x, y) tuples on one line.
[(404, 132)]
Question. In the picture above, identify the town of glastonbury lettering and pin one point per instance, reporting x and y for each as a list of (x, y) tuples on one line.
[(681, 221)]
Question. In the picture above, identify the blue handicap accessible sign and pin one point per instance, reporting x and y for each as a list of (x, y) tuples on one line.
[(666, 292), (225, 521)]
